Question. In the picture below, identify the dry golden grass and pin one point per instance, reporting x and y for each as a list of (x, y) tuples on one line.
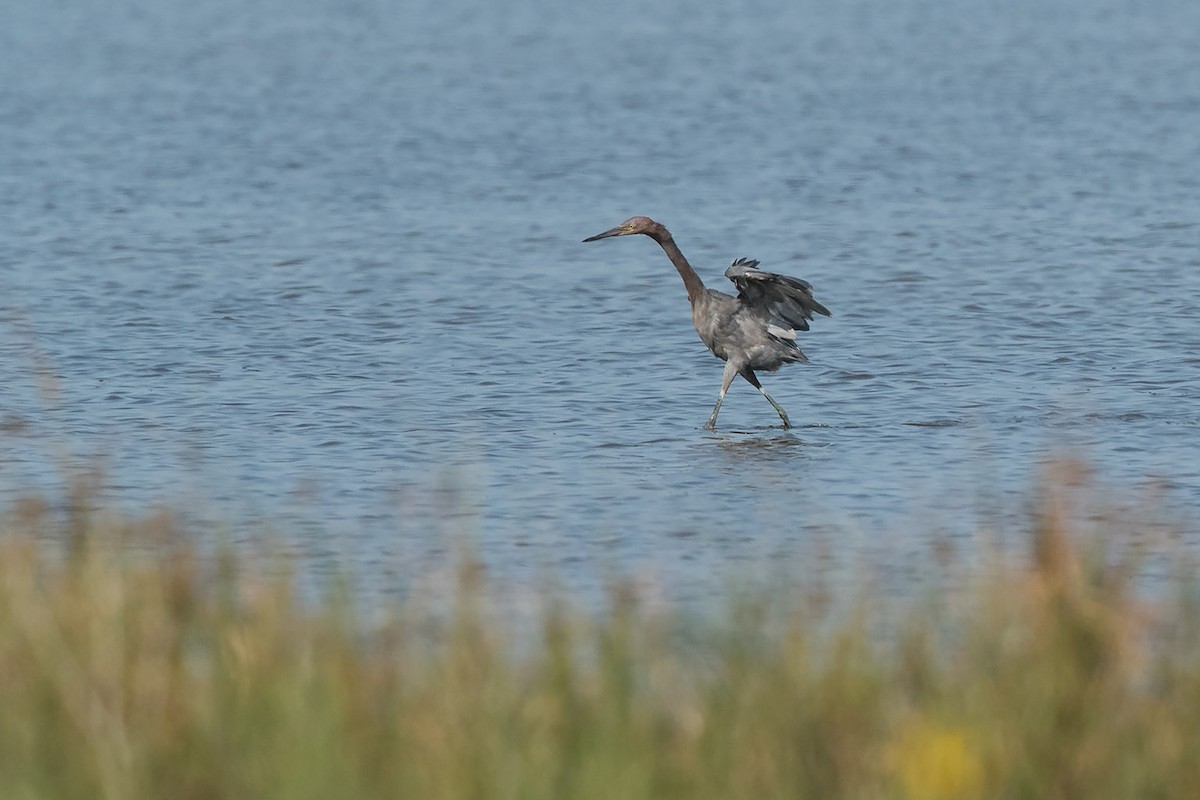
[(134, 667)]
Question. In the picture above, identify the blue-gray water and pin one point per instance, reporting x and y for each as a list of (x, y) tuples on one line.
[(319, 263)]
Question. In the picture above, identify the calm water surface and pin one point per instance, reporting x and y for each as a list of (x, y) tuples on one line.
[(319, 264)]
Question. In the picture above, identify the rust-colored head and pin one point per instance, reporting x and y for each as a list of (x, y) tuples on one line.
[(643, 225)]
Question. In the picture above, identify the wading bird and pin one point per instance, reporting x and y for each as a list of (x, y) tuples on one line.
[(755, 330)]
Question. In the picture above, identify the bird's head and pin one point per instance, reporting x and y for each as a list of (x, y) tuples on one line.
[(643, 225)]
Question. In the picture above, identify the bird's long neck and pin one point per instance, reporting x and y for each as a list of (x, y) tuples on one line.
[(691, 281)]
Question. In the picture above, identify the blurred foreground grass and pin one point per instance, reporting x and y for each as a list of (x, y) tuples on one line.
[(134, 667)]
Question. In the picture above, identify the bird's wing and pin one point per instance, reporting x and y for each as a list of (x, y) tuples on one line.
[(788, 301)]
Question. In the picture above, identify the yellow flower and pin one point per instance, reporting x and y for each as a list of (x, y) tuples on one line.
[(936, 762)]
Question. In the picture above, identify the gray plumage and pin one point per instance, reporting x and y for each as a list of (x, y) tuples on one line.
[(755, 330)]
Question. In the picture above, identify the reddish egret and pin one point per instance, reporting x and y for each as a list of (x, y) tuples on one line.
[(755, 330)]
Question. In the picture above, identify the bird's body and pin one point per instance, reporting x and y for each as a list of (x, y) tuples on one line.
[(755, 330), (733, 331)]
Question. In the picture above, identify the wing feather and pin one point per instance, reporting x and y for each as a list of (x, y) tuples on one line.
[(788, 301)]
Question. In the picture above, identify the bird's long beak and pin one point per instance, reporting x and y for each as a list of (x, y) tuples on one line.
[(617, 231)]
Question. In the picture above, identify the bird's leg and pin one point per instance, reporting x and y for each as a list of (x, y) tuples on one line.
[(726, 379), (712, 421), (778, 408), (749, 375)]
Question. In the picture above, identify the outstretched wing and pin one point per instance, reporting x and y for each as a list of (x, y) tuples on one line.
[(788, 301)]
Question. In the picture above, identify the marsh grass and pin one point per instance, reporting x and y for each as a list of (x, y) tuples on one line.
[(133, 666)]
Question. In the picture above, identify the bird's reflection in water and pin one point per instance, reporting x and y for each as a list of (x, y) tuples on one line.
[(758, 446)]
